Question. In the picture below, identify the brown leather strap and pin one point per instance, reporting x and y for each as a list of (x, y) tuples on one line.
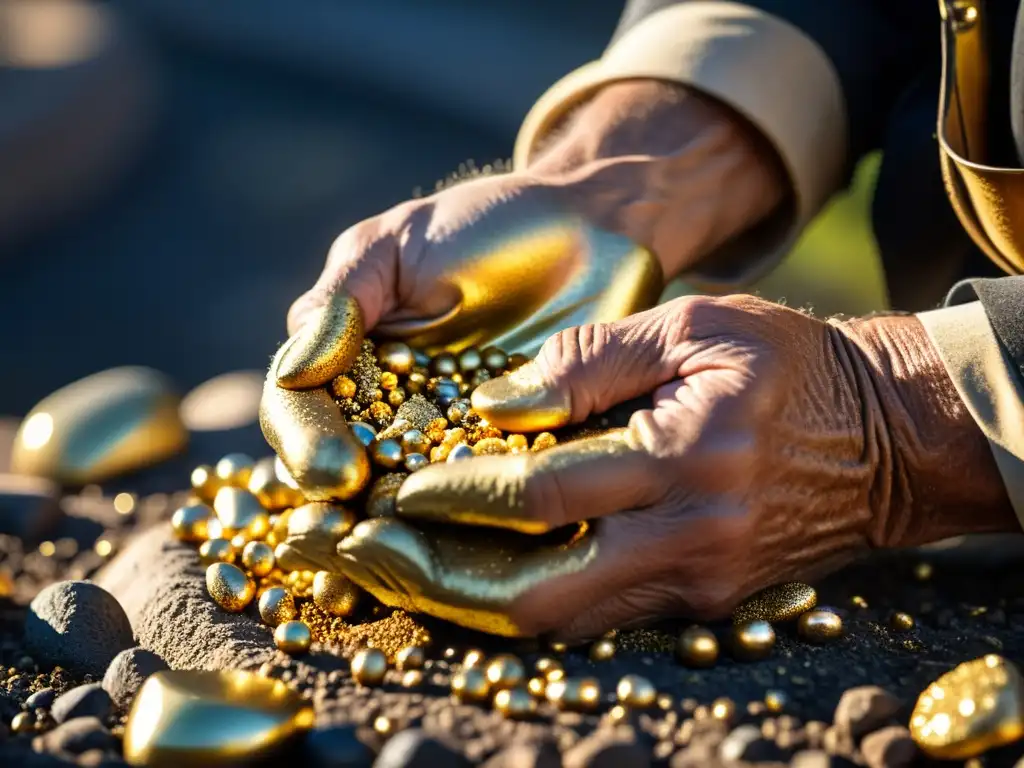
[(988, 201)]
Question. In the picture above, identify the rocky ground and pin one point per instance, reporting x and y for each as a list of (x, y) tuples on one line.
[(961, 612)]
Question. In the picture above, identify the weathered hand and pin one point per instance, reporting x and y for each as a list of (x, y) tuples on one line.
[(779, 446)]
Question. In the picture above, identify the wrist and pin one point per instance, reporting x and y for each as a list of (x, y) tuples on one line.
[(671, 169), (933, 473)]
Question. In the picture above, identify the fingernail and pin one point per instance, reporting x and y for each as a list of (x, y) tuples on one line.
[(483, 491), (523, 401), (324, 347)]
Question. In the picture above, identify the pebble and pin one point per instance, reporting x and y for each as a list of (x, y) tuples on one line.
[(41, 699), (605, 748), (89, 700), (77, 625), (747, 744), (128, 671), (413, 748), (890, 747), (29, 507), (780, 602), (75, 737), (864, 709), (335, 747), (542, 754)]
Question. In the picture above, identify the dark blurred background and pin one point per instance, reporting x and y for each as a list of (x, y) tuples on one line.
[(172, 172)]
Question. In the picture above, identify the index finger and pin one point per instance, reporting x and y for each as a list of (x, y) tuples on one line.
[(537, 492)]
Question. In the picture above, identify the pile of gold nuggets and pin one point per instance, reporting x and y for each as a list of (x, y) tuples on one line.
[(408, 410)]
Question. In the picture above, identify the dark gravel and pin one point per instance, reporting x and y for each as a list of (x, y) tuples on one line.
[(128, 671), (89, 700)]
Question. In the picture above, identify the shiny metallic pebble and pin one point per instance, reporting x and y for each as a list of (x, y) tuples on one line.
[(240, 512), (365, 433), (276, 606), (602, 650), (537, 686), (543, 441), (780, 602), (216, 551), (976, 707), (753, 640), (469, 360), (414, 441), (474, 657), (494, 359), (335, 594), (444, 364), (505, 671), (396, 357), (636, 692), (576, 694), (191, 718), (697, 647), (369, 666), (470, 685), (458, 410), (414, 462), (517, 443), (205, 483), (775, 701), (229, 586), (412, 678), (235, 469), (490, 446), (410, 657), (258, 558), (820, 626), (460, 452), (386, 453), (515, 703), (901, 622), (189, 523), (293, 637), (272, 492)]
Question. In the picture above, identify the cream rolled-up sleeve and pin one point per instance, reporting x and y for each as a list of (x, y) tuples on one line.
[(984, 376), (767, 70)]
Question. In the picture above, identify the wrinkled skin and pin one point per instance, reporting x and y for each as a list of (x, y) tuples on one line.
[(779, 447)]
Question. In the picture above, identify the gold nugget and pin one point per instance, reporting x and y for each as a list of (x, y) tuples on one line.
[(901, 622), (636, 692), (369, 666), (239, 512), (268, 487), (335, 594), (578, 694), (190, 522), (293, 637), (276, 606), (410, 657), (235, 469), (780, 602), (412, 678), (515, 703), (970, 710), (505, 671), (602, 650), (205, 483), (387, 453), (216, 551), (229, 586), (258, 557), (474, 658), (470, 684), (753, 640), (697, 647), (396, 357), (820, 626), (324, 347)]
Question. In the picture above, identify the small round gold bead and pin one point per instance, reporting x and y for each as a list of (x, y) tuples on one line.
[(517, 443), (415, 441), (444, 364), (238, 542), (23, 722), (753, 640), (457, 410), (343, 387), (580, 694), (190, 523), (369, 666), (505, 671), (269, 489), (665, 701), (546, 665), (494, 359), (459, 452), (775, 701), (490, 446), (396, 397), (602, 650), (820, 626), (229, 586), (414, 462), (205, 482), (516, 360), (901, 622), (387, 453), (416, 383), (470, 359), (396, 357), (364, 433), (235, 469), (410, 657), (723, 709), (543, 441), (697, 647), (515, 703), (470, 684), (277, 606), (559, 647), (388, 381), (413, 678), (537, 686), (474, 658), (383, 725), (258, 557), (240, 512), (216, 551), (334, 593), (293, 637), (636, 692), (859, 601)]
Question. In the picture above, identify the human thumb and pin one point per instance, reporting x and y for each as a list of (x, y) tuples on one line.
[(585, 370)]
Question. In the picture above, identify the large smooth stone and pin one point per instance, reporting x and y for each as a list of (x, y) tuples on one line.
[(101, 426), (183, 718), (228, 401)]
